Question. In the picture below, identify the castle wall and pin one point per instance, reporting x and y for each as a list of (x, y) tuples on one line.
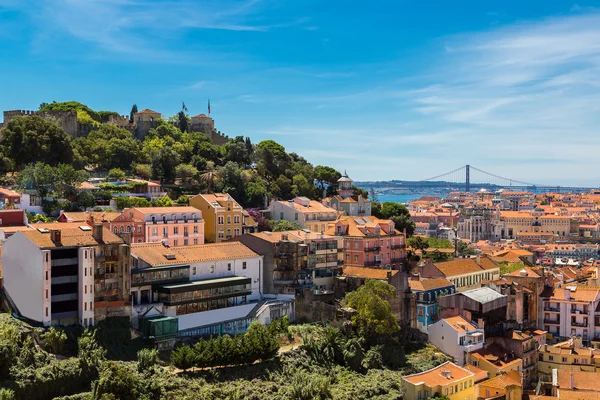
[(67, 119)]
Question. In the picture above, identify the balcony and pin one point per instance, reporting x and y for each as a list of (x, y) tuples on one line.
[(372, 263), (398, 246), (551, 309), (552, 321), (579, 312), (583, 324), (397, 259), (372, 248)]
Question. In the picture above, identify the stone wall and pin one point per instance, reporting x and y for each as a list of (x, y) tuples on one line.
[(66, 119)]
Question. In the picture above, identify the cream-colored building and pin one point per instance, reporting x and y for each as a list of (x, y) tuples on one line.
[(223, 215), (447, 379), (309, 214), (570, 355), (508, 224)]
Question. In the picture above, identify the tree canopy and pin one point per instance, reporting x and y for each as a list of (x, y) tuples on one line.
[(374, 313)]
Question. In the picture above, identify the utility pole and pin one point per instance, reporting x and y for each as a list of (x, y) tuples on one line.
[(455, 229)]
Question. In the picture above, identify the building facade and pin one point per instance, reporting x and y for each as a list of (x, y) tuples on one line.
[(224, 217), (175, 226), (456, 337), (309, 214), (447, 379), (427, 291)]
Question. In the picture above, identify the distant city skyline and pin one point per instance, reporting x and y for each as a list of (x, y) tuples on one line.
[(385, 90)]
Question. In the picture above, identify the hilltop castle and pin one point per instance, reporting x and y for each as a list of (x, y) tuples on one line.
[(143, 121)]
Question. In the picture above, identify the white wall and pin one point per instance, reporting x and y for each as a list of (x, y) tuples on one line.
[(221, 270), (446, 338), (289, 213), (85, 284), (24, 276)]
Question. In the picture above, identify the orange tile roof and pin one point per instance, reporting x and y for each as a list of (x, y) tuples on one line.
[(463, 266), (155, 253), (428, 283), (147, 111), (368, 273), (9, 193), (582, 380), (502, 381), (581, 293), (460, 324), (70, 238), (434, 376), (218, 198), (530, 273), (314, 207)]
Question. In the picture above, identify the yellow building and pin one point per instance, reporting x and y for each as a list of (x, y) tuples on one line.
[(568, 356), (223, 216), (507, 385), (447, 379)]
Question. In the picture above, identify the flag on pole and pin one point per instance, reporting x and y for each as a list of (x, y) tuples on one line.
[(208, 106), (183, 107)]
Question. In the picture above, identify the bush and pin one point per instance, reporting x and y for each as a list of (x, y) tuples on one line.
[(6, 394), (183, 357), (116, 174), (116, 381), (128, 202), (147, 360), (183, 200), (55, 340)]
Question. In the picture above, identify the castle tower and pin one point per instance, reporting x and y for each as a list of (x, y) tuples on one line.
[(345, 186), (144, 121)]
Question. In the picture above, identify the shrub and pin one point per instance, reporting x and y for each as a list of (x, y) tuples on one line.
[(147, 359), (183, 357), (55, 340), (6, 394)]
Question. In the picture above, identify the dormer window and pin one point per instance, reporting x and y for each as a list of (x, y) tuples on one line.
[(164, 217)]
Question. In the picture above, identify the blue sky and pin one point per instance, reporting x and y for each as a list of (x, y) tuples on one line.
[(385, 89)]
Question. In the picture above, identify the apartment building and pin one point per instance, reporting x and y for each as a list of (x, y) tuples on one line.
[(296, 260), (346, 201), (505, 386), (209, 289), (569, 355), (224, 217), (175, 226), (309, 214), (496, 360), (370, 242), (67, 276), (464, 273), (456, 337), (447, 379), (571, 310), (524, 345), (427, 291), (510, 224)]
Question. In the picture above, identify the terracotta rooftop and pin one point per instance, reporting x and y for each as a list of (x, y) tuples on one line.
[(460, 324), (168, 210), (147, 111), (503, 381), (424, 284), (581, 380), (218, 200), (368, 273), (462, 266), (70, 237), (9, 193), (436, 377), (155, 254)]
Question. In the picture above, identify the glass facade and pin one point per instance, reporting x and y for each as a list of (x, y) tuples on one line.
[(170, 298), (139, 278)]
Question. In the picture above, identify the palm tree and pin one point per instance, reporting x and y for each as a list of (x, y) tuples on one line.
[(210, 177)]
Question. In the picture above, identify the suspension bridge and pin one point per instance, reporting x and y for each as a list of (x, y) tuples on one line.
[(469, 178)]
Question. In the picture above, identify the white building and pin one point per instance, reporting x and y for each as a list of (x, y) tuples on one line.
[(309, 214), (49, 274), (456, 337), (210, 288)]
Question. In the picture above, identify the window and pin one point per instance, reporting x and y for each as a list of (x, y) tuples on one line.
[(551, 358), (446, 391), (220, 220), (185, 231), (140, 229), (84, 290), (176, 230), (236, 219), (46, 257), (46, 293), (46, 311), (296, 216), (185, 242), (280, 215), (228, 266), (355, 258), (175, 242), (212, 269), (244, 265), (115, 230), (85, 271), (195, 241), (195, 229), (84, 306), (85, 254), (194, 270)]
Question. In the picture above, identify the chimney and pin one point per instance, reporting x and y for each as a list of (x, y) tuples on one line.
[(478, 259), (97, 232), (572, 381), (389, 276), (55, 236)]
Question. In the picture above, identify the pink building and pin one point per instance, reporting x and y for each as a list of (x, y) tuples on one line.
[(370, 242), (175, 226)]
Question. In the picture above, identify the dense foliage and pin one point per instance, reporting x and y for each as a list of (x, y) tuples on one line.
[(396, 212), (251, 173)]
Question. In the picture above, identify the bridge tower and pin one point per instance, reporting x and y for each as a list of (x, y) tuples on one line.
[(468, 178)]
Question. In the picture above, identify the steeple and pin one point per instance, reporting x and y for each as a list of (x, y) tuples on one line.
[(345, 186)]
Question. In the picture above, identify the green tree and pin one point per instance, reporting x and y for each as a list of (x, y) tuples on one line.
[(116, 174), (31, 139), (164, 163), (236, 150), (144, 171), (232, 181), (134, 109), (256, 190), (183, 357), (302, 187), (402, 222), (117, 380), (39, 176), (185, 172), (182, 121), (374, 314), (85, 200), (271, 159), (164, 201), (55, 340), (326, 176), (356, 191), (283, 225), (418, 243), (71, 106), (147, 360), (90, 354)]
